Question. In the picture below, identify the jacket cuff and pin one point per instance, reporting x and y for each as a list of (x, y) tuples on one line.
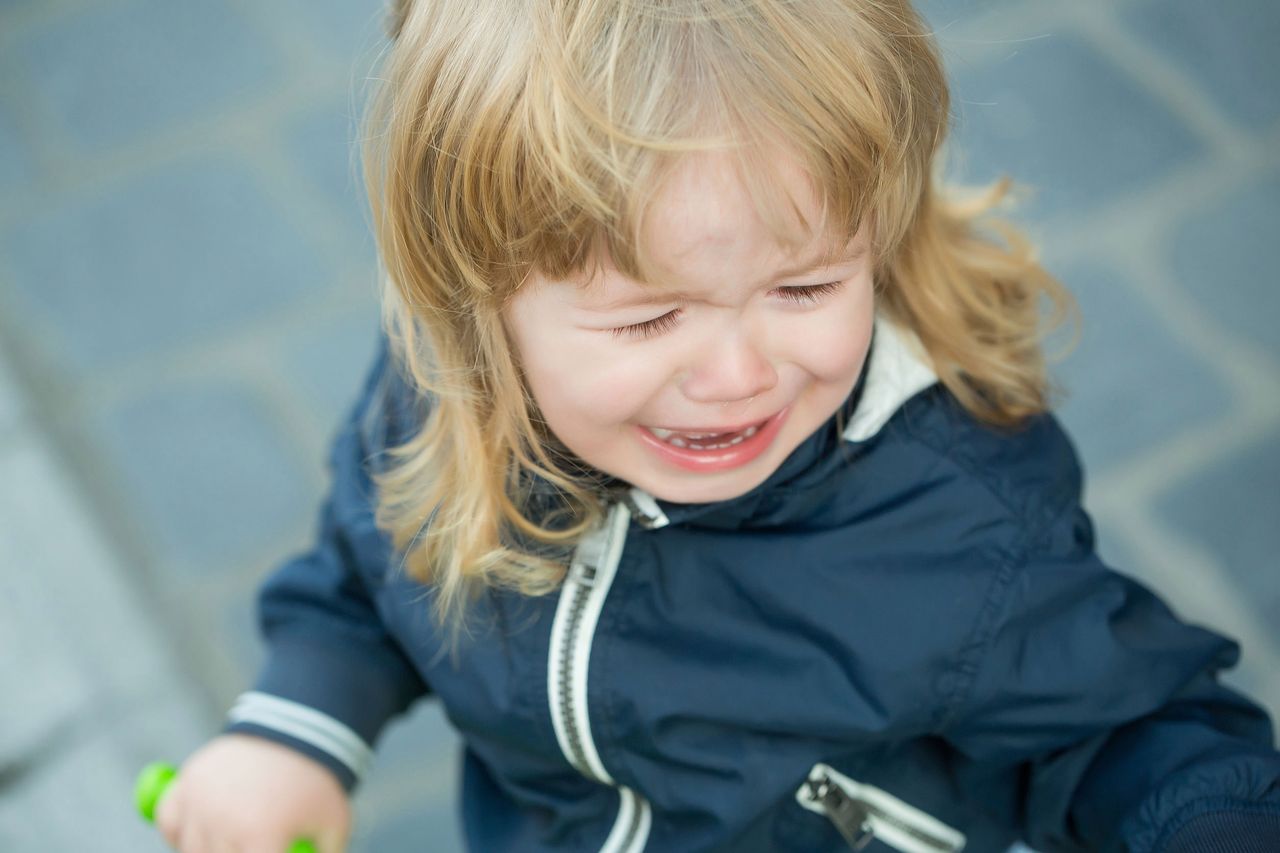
[(317, 736), (328, 701), (1231, 826)]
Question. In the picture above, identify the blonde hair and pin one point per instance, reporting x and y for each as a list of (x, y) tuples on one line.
[(518, 135)]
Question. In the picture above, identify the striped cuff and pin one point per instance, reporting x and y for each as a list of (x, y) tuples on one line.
[(1232, 827), (318, 735)]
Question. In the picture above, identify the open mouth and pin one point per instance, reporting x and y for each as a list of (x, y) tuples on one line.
[(713, 449)]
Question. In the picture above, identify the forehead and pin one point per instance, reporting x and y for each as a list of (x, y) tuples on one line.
[(706, 207), (708, 222)]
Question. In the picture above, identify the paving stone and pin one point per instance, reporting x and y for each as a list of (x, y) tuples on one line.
[(17, 170), (39, 667), (1229, 49), (342, 28), (1229, 511), (83, 798), (1226, 255), (1131, 385), (66, 601), (945, 13), (1060, 118), (434, 827), (423, 737), (95, 693), (186, 252), (328, 361), (1251, 679), (1115, 547), (212, 477), (323, 144), (11, 404), (238, 629), (118, 72)]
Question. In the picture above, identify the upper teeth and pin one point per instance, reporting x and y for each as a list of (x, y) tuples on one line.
[(683, 439), (664, 434)]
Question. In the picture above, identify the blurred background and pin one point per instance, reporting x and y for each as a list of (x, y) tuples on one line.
[(187, 302)]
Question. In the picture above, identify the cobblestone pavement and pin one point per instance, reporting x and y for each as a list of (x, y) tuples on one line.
[(186, 304)]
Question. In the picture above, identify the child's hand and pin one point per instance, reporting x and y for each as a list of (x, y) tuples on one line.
[(250, 795)]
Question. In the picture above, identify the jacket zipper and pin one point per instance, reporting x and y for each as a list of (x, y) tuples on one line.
[(591, 573), (862, 813)]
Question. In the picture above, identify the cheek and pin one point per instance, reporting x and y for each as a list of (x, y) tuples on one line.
[(835, 343), (581, 378)]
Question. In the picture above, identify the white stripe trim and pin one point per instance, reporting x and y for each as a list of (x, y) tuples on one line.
[(307, 725), (631, 806), (897, 372)]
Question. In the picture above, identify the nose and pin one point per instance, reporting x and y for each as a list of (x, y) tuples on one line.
[(730, 369)]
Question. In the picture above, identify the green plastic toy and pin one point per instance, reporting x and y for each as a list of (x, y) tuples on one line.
[(155, 779)]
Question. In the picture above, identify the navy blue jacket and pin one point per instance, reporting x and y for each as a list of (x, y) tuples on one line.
[(903, 638)]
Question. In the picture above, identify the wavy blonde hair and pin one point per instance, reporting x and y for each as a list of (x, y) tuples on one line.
[(518, 135)]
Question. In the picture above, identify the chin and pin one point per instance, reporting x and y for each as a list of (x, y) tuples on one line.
[(704, 492)]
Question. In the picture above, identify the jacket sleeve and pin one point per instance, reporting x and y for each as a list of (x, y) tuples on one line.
[(1109, 709), (334, 676)]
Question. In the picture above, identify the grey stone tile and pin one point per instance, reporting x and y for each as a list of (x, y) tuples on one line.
[(11, 403), (66, 600), (1229, 510), (328, 362), (434, 827), (184, 253), (91, 690), (238, 628), (1060, 118), (83, 798), (17, 169), (1226, 256), (117, 72), (1253, 680), (1115, 548), (323, 143), (1131, 384), (342, 28), (211, 476), (423, 737), (39, 665), (945, 13), (1227, 48)]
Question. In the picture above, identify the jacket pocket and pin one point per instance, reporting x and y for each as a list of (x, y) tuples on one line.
[(863, 813)]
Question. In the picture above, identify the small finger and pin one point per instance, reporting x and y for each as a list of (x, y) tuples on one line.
[(168, 815)]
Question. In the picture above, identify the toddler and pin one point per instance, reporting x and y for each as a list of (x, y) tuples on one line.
[(706, 476)]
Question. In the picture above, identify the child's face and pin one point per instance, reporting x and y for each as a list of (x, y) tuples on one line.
[(736, 349)]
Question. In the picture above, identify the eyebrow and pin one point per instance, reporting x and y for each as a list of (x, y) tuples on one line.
[(658, 297)]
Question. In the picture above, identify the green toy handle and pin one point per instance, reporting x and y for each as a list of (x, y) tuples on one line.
[(156, 778)]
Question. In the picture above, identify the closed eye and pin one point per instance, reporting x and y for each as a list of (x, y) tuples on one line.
[(808, 294), (649, 328)]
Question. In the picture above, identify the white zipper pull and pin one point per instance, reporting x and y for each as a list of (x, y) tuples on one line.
[(849, 817), (861, 812), (645, 510)]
